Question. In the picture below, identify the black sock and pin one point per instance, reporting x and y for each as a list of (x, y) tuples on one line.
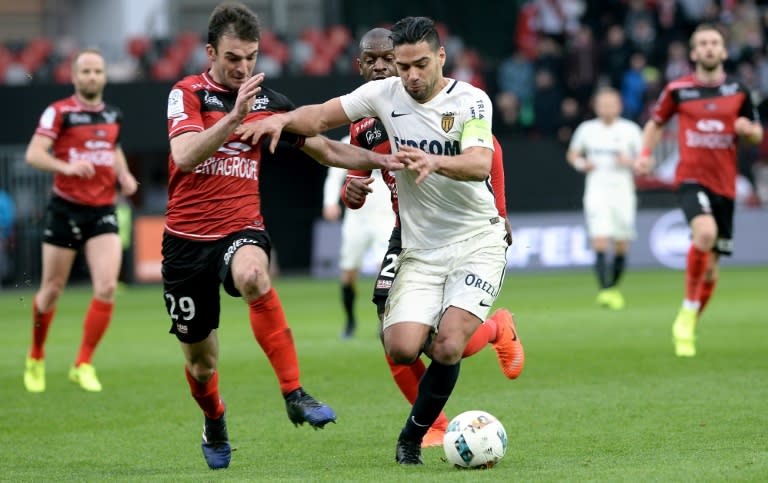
[(348, 298), (618, 269), (435, 387), (601, 270)]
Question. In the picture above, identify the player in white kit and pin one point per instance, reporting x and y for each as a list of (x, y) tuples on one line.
[(604, 149), (364, 230), (452, 264)]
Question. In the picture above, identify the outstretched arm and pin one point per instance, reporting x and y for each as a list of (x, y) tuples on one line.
[(343, 155), (309, 120)]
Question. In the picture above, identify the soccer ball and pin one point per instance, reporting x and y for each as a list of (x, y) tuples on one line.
[(474, 439)]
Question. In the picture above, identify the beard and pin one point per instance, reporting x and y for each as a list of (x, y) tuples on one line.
[(89, 94), (710, 65)]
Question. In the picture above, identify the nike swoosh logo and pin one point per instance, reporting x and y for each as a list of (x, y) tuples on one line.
[(483, 303), (398, 114)]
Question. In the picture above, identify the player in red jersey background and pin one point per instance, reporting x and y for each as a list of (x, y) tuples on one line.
[(215, 233), (714, 111), (77, 138)]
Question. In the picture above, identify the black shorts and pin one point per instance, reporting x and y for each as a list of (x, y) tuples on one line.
[(192, 273), (70, 225), (697, 200), (387, 271)]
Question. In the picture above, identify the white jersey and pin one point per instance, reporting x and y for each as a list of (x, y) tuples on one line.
[(378, 204), (439, 211), (601, 144)]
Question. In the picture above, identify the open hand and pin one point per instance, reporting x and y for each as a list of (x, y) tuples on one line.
[(271, 126), (417, 160), (246, 95)]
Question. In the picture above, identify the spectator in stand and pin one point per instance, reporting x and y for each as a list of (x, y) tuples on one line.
[(633, 87), (615, 55), (465, 69), (570, 118), (515, 83), (636, 12), (642, 38), (546, 103), (670, 22), (677, 61), (746, 31), (581, 63), (550, 58), (556, 18)]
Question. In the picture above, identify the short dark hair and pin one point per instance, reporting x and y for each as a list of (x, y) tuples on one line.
[(233, 19), (412, 30)]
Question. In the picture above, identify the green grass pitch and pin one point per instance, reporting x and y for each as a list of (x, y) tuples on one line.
[(602, 396)]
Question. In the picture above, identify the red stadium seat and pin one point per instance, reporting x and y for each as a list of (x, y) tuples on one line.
[(271, 45), (62, 73), (166, 70), (138, 46), (318, 66), (340, 36)]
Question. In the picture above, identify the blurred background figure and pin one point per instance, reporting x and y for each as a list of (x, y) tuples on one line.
[(364, 234), (604, 149)]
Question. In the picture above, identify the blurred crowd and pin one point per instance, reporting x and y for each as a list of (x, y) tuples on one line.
[(560, 52), (565, 49)]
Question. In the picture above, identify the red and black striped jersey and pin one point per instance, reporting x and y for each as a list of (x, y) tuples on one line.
[(706, 116), (83, 133), (221, 196), (369, 133)]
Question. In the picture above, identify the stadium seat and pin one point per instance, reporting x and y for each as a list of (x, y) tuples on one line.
[(138, 46), (271, 45), (318, 66), (62, 73), (166, 70)]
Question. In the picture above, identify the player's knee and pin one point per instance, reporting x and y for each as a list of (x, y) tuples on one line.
[(201, 372), (49, 294), (447, 351), (704, 239), (253, 283), (105, 290), (402, 353)]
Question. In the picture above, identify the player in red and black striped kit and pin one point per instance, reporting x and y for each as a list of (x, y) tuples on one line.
[(714, 111), (215, 232), (376, 61), (77, 138)]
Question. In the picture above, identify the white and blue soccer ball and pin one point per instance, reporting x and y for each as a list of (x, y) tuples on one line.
[(475, 439)]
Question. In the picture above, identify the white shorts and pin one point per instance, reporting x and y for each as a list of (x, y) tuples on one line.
[(467, 275), (611, 216), (359, 236)]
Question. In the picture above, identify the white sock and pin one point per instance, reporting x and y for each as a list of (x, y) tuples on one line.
[(691, 304)]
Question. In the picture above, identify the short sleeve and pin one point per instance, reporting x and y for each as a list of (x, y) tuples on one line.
[(183, 112), (476, 118), (357, 104), (577, 140), (665, 106), (50, 122)]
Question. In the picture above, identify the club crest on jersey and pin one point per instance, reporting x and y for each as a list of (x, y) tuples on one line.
[(447, 121)]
